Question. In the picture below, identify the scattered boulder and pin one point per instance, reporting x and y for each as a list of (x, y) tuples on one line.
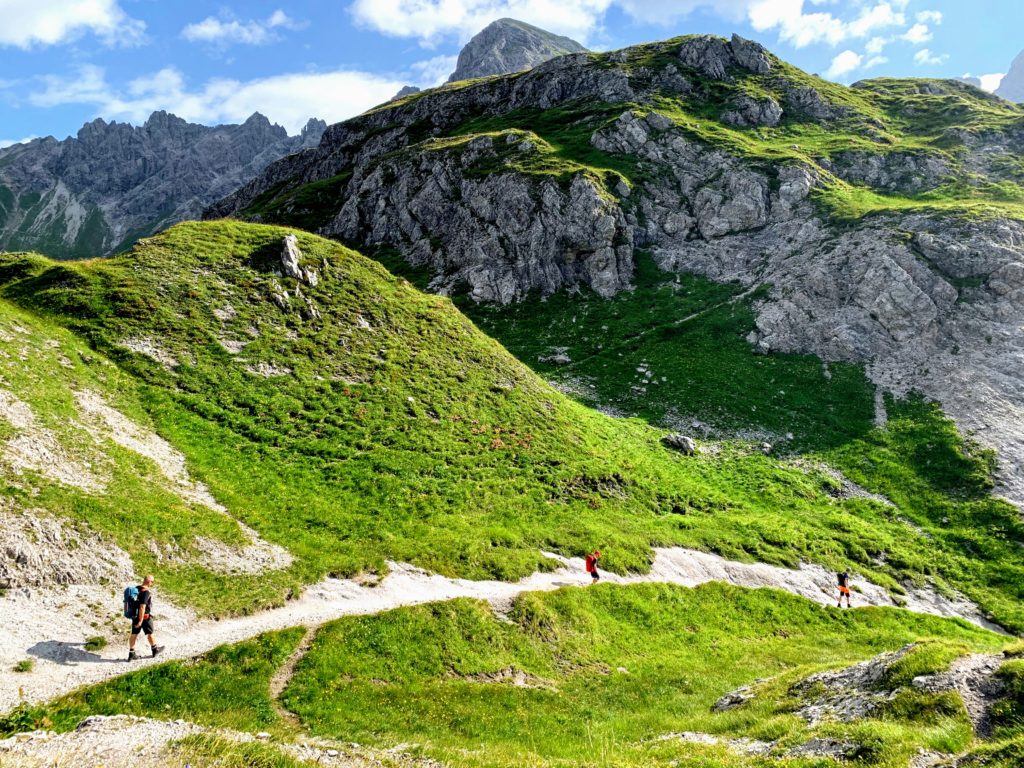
[(747, 112), (681, 443), (558, 356), (750, 55), (733, 699), (291, 256), (837, 750), (709, 55), (807, 101)]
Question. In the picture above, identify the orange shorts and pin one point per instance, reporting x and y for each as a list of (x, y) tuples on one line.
[(844, 590)]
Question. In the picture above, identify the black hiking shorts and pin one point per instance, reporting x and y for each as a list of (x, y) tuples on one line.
[(146, 626)]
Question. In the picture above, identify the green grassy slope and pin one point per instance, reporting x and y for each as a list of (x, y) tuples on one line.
[(604, 672), (122, 495), (674, 351), (401, 432)]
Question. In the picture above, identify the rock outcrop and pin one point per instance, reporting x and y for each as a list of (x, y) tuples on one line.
[(927, 300), (1012, 85), (114, 183), (506, 46)]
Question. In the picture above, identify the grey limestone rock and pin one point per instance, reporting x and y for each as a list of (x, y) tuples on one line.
[(290, 257), (751, 56), (746, 111), (733, 699), (711, 56), (681, 443), (1012, 85), (506, 46), (834, 748)]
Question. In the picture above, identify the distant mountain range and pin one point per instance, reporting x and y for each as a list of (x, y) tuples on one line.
[(113, 183)]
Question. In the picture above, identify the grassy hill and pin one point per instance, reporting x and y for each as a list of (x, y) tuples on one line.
[(360, 421)]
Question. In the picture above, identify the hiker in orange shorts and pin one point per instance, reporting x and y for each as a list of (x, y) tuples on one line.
[(844, 589)]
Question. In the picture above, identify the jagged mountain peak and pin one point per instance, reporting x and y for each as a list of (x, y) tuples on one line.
[(508, 45)]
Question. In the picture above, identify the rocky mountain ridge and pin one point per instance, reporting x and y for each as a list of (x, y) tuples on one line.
[(99, 191), (872, 212)]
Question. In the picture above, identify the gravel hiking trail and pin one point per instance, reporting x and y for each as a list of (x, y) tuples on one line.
[(61, 663)]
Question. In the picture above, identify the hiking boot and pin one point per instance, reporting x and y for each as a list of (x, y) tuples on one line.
[(133, 656), (157, 649)]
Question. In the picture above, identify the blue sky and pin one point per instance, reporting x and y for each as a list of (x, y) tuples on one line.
[(65, 62)]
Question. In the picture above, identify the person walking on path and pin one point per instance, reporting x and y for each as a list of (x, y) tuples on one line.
[(143, 619), (844, 588), (592, 565)]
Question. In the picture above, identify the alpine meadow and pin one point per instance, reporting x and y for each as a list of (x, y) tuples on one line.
[(542, 417)]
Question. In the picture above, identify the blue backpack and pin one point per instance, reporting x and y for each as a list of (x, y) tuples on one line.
[(131, 602)]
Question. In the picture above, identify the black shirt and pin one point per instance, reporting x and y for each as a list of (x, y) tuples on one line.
[(843, 578), (145, 598)]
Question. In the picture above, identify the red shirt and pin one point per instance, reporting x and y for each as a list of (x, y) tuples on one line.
[(591, 563)]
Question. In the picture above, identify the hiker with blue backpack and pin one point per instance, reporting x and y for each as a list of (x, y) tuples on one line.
[(138, 606)]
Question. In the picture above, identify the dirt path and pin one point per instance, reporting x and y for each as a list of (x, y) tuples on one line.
[(55, 639), (122, 741), (284, 674)]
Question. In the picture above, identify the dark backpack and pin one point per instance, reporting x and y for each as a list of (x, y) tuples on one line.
[(131, 602)]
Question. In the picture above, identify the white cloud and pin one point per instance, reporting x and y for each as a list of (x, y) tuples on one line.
[(797, 22), (5, 143), (225, 32), (880, 16), (89, 87), (929, 17), (430, 20), (843, 64), (989, 82), (48, 22), (875, 45), (666, 12), (288, 99), (926, 57), (435, 71), (917, 34), (875, 61)]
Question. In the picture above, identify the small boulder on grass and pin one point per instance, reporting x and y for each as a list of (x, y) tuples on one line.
[(681, 443), (25, 665)]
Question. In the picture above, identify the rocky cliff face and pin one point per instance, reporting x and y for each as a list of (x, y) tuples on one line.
[(113, 183), (506, 46), (873, 213), (1012, 85)]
